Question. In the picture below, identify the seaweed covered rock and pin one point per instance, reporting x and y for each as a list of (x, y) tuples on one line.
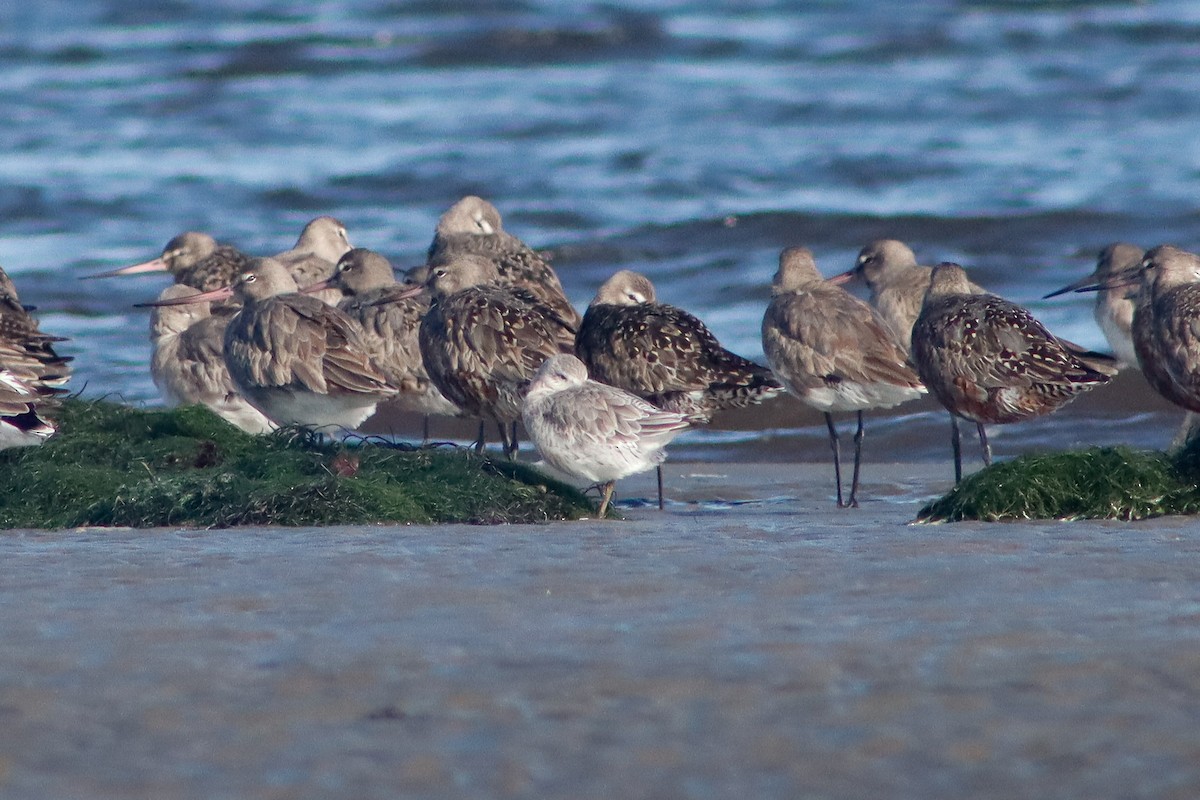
[(111, 465), (1098, 483)]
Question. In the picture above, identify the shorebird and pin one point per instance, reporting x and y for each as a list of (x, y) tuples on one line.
[(665, 355), (193, 259), (296, 359), (473, 226), (1114, 306), (833, 352), (1166, 343), (989, 361), (482, 341), (31, 372), (315, 255), (390, 325), (592, 430), (188, 360), (897, 283)]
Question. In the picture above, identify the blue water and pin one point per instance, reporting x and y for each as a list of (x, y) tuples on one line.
[(687, 140)]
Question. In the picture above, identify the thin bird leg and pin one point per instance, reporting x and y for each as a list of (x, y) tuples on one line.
[(425, 431), (660, 493), (605, 497), (956, 446), (480, 439), (837, 457), (858, 437), (506, 441), (983, 442), (516, 442)]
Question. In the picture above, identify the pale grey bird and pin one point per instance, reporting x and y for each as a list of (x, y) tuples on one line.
[(1113, 308), (592, 430)]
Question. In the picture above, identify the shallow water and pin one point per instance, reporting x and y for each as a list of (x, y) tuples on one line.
[(690, 141)]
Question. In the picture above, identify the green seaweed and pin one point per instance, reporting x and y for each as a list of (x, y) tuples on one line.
[(112, 465), (1097, 483)]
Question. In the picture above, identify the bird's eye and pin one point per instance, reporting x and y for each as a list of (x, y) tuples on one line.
[(439, 273), (249, 277)]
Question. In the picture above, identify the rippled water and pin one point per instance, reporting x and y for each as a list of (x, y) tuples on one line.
[(688, 140)]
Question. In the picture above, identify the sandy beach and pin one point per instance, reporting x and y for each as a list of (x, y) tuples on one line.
[(750, 641)]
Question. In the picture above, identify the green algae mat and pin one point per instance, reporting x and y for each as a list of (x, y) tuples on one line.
[(112, 465), (1098, 483)]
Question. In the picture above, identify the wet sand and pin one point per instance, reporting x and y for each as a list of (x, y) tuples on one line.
[(751, 641)]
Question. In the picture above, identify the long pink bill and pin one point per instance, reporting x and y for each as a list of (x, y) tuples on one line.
[(838, 280), (224, 293), (155, 265), (313, 288)]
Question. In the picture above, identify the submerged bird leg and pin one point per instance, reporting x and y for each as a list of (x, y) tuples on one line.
[(858, 437), (605, 498), (956, 446), (983, 442), (658, 470), (837, 457), (480, 439)]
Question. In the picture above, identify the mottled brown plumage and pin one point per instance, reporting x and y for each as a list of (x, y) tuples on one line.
[(482, 341), (664, 354), (1166, 324), (472, 226), (832, 351), (897, 282), (989, 361), (31, 372), (390, 318)]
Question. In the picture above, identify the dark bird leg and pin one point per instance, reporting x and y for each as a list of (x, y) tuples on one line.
[(660, 494), (837, 457), (956, 446), (605, 498), (480, 439), (506, 441), (983, 442), (425, 431), (515, 441), (858, 437)]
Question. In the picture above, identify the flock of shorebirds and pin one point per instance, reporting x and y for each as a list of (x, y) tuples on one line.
[(320, 334)]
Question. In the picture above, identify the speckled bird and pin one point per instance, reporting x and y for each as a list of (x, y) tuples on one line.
[(296, 359), (187, 362), (664, 354), (1114, 305), (1164, 324), (989, 361), (371, 295), (897, 283), (482, 341), (32, 373), (192, 259), (472, 226), (591, 430), (833, 352)]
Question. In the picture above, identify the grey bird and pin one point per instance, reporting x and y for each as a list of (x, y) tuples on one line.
[(897, 283), (192, 259), (591, 430), (390, 324), (1113, 308), (187, 362), (296, 359), (472, 226), (833, 352)]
